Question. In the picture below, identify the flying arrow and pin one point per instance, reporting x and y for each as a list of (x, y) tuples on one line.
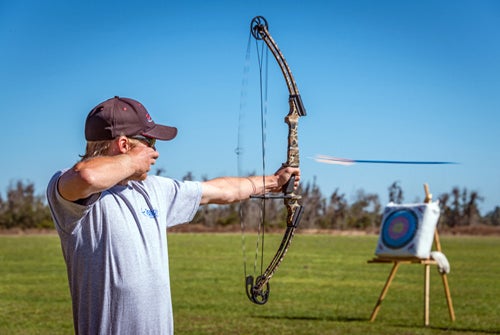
[(348, 161)]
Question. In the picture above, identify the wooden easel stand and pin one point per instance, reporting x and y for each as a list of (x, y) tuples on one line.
[(414, 260)]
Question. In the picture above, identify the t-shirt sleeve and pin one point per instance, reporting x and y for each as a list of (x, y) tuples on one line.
[(66, 214), (182, 199)]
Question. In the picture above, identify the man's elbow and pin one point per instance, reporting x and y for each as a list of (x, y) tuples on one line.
[(77, 183)]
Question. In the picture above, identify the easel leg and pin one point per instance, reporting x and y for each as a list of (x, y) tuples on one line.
[(384, 291), (448, 296), (426, 293)]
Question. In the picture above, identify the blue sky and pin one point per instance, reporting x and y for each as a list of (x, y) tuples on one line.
[(395, 80)]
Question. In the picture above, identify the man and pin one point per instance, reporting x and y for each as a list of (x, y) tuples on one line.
[(112, 217)]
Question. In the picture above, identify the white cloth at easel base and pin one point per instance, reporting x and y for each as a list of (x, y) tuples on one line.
[(442, 262)]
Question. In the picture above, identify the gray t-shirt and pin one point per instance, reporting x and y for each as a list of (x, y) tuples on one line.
[(115, 248)]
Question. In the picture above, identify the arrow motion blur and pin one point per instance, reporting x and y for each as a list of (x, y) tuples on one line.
[(347, 161)]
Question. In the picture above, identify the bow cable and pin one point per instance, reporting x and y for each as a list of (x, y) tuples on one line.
[(263, 64), (239, 147), (263, 60)]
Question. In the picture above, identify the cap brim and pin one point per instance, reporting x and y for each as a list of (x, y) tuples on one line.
[(161, 132)]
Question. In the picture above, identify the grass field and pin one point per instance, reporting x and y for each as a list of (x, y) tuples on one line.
[(324, 286)]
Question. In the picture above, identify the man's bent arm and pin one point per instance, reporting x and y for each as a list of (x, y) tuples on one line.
[(93, 176)]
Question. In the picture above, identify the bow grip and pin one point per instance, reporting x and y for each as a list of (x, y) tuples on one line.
[(289, 187)]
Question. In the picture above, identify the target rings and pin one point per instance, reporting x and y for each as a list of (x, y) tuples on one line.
[(399, 228)]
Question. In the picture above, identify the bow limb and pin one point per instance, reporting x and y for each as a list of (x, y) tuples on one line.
[(259, 30), (258, 289)]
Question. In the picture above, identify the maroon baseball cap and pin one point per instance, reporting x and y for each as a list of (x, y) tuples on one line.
[(123, 117)]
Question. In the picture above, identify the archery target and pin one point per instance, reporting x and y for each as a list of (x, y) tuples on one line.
[(399, 228), (407, 230)]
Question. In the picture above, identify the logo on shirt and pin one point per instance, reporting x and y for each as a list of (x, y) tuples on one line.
[(150, 213)]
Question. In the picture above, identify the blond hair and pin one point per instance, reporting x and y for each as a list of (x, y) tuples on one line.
[(101, 148), (96, 148)]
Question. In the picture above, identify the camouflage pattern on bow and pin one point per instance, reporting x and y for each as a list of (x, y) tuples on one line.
[(258, 288)]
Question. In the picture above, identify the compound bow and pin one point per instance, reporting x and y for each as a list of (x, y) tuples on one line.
[(258, 289)]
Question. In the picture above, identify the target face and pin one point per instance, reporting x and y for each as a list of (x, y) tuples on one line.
[(399, 228)]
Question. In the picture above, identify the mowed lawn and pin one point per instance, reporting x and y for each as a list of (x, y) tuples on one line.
[(323, 286)]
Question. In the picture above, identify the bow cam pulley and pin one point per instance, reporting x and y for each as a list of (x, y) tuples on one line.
[(257, 25)]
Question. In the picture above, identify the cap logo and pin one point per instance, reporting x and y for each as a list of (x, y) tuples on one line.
[(148, 117)]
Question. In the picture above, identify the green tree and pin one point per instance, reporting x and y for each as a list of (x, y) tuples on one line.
[(396, 193), (460, 208), (471, 211), (493, 217), (337, 211), (24, 209), (365, 211), (314, 211)]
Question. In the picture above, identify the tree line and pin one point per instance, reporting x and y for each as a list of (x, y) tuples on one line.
[(21, 208)]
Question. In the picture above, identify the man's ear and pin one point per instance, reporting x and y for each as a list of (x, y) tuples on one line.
[(122, 144)]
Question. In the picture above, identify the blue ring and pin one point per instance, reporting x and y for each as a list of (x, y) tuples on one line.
[(396, 236)]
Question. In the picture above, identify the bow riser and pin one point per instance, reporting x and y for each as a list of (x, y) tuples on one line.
[(294, 209), (292, 120)]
